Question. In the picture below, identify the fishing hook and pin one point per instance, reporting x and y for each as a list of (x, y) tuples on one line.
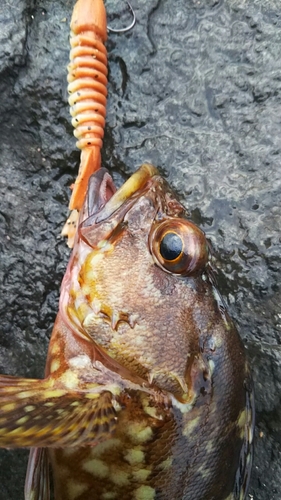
[(124, 30)]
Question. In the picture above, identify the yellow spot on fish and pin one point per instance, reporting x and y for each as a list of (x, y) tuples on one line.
[(139, 432), (166, 464), (109, 495), (141, 474), (134, 456), (241, 419), (241, 422), (96, 467), (210, 446), (92, 395), (55, 349), (22, 420), (183, 407), (69, 379), (54, 393), (190, 426), (55, 365), (75, 489), (29, 408), (9, 407), (18, 430), (152, 411), (205, 473), (212, 365), (119, 477), (67, 452), (25, 394), (88, 270), (144, 493), (105, 446), (60, 411)]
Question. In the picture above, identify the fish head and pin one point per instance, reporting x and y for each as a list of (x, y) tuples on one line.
[(138, 285)]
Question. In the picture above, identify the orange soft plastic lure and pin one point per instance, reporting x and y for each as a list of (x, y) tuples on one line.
[(87, 77)]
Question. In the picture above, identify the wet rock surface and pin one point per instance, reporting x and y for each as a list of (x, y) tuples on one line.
[(194, 88)]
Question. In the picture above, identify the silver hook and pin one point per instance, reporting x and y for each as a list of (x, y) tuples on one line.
[(123, 30)]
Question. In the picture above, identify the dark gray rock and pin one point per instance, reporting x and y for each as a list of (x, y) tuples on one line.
[(193, 88)]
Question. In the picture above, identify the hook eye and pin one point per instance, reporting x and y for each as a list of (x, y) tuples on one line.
[(128, 28)]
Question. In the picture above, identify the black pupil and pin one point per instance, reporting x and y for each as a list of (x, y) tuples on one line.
[(171, 246)]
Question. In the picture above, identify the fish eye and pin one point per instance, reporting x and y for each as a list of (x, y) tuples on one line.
[(178, 246), (171, 246)]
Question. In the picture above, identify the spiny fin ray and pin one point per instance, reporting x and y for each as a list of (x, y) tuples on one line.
[(37, 483), (39, 413)]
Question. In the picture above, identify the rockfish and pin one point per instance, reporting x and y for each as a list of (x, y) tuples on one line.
[(147, 394)]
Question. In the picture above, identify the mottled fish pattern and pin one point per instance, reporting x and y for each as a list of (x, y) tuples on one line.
[(147, 392)]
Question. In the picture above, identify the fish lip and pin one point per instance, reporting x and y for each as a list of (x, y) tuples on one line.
[(100, 189), (99, 184), (133, 185)]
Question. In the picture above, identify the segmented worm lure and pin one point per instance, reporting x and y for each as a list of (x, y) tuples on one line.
[(87, 78)]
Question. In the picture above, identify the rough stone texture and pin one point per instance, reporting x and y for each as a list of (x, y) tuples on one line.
[(194, 88)]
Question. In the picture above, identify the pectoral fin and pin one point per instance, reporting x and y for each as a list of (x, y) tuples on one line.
[(39, 413), (37, 483)]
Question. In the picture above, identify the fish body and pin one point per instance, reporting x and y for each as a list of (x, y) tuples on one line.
[(147, 392)]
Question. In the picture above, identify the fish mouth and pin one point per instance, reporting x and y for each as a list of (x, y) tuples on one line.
[(136, 182), (103, 200)]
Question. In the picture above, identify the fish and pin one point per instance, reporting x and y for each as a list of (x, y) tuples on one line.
[(147, 393)]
